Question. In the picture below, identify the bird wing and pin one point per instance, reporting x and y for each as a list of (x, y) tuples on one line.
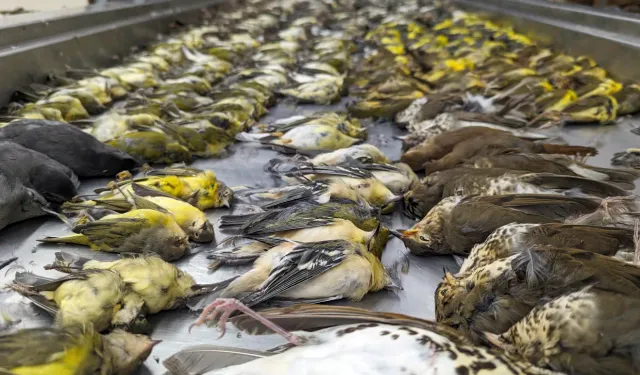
[(314, 317), (305, 262), (201, 359), (305, 192), (333, 170), (174, 171), (18, 349), (145, 191), (112, 232), (299, 220), (585, 185), (549, 205)]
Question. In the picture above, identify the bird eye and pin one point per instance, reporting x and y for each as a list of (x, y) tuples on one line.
[(423, 238), (443, 292)]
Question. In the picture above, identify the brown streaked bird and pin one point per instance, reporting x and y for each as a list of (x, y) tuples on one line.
[(628, 99), (494, 297), (496, 181), (558, 164), (330, 339), (455, 224), (514, 238), (590, 331), (452, 148)]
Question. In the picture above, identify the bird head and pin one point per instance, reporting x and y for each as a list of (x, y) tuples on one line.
[(201, 230), (427, 235), (126, 351), (419, 200), (449, 296)]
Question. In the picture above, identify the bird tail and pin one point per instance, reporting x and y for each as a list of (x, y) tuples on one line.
[(202, 359), (75, 239), (583, 185), (548, 148)]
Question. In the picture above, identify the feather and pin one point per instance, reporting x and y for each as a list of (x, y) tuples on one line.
[(200, 359)]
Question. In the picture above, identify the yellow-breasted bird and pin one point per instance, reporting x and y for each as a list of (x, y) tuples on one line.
[(304, 138), (364, 153), (72, 351), (360, 179), (590, 331), (313, 271), (137, 231), (330, 338), (193, 221), (199, 187), (152, 147)]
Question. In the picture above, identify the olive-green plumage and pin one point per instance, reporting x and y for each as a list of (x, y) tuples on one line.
[(152, 147)]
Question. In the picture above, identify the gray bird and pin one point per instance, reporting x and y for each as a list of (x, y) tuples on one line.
[(81, 152), (54, 181), (18, 202)]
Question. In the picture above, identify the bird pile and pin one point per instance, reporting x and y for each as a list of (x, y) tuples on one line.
[(546, 286), (459, 61)]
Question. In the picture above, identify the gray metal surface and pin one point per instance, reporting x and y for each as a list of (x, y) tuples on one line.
[(37, 44), (612, 39)]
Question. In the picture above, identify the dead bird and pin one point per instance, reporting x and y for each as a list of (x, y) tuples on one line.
[(54, 181), (332, 336), (456, 224), (70, 146), (458, 146), (514, 238), (496, 181), (494, 297), (309, 272), (605, 341)]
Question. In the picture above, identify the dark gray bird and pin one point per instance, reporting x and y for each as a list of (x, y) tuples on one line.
[(81, 152), (18, 202), (54, 181)]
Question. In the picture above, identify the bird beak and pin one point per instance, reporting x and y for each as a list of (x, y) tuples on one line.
[(495, 340), (408, 233), (395, 233)]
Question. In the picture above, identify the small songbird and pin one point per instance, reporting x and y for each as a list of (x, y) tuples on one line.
[(117, 294), (449, 149), (137, 231), (362, 180), (312, 271), (514, 238), (329, 339), (456, 224), (496, 181), (193, 221), (494, 297), (364, 153), (590, 331), (73, 351), (198, 187)]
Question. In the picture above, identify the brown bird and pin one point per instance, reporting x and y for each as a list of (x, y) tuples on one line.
[(591, 331), (452, 148), (494, 297), (514, 238), (455, 224), (330, 338), (558, 164), (464, 181)]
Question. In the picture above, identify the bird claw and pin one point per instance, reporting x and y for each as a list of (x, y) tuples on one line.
[(227, 306)]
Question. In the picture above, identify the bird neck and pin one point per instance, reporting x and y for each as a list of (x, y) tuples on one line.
[(379, 276)]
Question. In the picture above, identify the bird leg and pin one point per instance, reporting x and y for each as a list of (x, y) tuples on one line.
[(227, 306)]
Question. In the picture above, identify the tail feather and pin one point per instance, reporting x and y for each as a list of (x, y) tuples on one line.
[(76, 239), (548, 148), (202, 359), (585, 185), (67, 262)]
